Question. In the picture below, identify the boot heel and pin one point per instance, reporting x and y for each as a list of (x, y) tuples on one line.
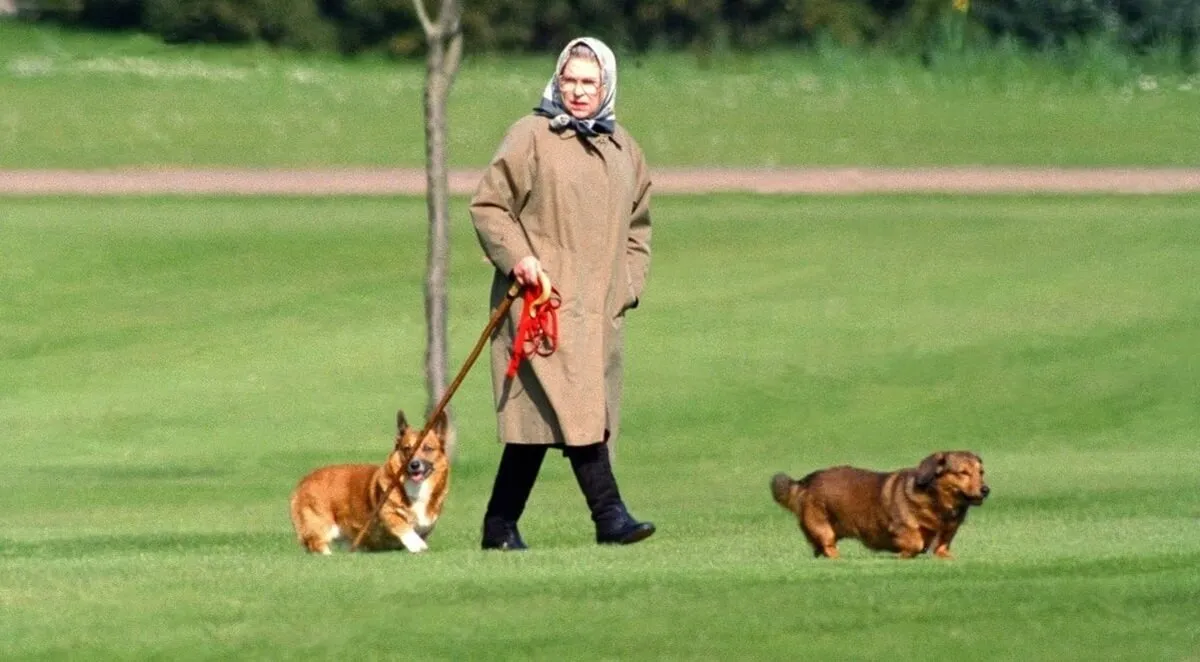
[(593, 472)]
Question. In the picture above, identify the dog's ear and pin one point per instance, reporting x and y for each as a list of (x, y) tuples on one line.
[(440, 427), (401, 429), (930, 468)]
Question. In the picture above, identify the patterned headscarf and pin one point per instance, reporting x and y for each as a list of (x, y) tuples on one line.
[(605, 118)]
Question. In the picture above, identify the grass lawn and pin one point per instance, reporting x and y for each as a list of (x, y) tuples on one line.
[(85, 101), (170, 367)]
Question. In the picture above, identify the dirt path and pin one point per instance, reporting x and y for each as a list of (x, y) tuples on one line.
[(385, 181)]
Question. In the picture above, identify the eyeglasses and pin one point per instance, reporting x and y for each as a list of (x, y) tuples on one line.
[(585, 85)]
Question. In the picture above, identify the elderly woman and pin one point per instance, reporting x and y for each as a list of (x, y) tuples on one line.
[(566, 195)]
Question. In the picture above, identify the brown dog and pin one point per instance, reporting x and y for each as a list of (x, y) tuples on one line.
[(336, 502), (906, 511)]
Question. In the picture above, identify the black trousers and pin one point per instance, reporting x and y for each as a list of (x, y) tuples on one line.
[(518, 471)]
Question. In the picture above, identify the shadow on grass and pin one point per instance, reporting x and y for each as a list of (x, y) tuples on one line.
[(141, 543)]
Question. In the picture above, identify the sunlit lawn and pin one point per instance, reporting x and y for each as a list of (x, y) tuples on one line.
[(169, 369), (76, 101)]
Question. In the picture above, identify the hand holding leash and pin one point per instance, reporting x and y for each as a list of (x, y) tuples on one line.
[(529, 273)]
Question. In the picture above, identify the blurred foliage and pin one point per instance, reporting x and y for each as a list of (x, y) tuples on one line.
[(922, 26)]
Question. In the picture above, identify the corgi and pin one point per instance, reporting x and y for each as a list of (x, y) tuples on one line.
[(334, 503)]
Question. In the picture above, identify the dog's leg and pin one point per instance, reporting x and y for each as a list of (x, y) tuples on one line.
[(822, 546), (317, 544), (413, 542), (313, 529), (941, 547), (910, 543), (819, 532), (403, 530)]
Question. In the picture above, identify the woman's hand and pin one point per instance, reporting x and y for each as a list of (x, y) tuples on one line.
[(527, 270)]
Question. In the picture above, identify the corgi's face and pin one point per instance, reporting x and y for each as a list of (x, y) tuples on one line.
[(425, 455)]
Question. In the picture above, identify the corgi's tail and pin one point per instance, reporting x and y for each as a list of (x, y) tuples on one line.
[(787, 492)]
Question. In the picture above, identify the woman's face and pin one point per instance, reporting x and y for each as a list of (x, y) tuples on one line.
[(580, 85)]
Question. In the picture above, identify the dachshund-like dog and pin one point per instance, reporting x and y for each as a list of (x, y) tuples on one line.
[(909, 511)]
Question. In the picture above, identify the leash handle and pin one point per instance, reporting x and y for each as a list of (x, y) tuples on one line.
[(537, 326), (501, 310), (547, 288)]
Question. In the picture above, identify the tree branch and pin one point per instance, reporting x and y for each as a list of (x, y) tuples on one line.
[(432, 32), (453, 56), (450, 18)]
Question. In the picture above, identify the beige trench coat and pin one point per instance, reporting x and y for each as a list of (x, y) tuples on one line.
[(582, 207)]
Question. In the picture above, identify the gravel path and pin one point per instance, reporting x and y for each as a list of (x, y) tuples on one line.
[(393, 181)]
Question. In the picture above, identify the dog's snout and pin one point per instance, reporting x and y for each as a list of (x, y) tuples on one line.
[(985, 490), (415, 466)]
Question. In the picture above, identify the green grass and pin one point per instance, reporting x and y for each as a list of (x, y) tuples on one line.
[(170, 367), (80, 101)]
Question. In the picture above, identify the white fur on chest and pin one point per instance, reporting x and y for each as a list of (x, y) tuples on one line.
[(419, 494)]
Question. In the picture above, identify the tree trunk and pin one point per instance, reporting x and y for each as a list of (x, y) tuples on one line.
[(444, 41)]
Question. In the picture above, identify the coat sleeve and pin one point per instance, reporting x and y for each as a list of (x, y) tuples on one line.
[(637, 249), (501, 195)]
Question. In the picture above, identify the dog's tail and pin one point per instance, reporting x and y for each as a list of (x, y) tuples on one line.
[(787, 492)]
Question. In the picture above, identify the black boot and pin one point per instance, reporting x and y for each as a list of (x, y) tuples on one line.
[(519, 466), (614, 524)]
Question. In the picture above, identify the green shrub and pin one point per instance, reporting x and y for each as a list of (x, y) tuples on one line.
[(930, 27), (291, 23), (202, 20)]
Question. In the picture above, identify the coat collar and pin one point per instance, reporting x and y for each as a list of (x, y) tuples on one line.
[(615, 137)]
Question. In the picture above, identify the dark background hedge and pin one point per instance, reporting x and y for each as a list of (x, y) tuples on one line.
[(353, 26)]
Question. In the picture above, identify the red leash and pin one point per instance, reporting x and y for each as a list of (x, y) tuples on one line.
[(537, 333)]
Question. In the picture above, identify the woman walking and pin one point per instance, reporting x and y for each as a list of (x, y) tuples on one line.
[(567, 195)]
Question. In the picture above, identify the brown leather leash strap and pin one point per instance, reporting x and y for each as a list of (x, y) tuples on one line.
[(497, 316)]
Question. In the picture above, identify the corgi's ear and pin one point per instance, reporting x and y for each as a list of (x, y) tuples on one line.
[(401, 423), (930, 468), (440, 427)]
